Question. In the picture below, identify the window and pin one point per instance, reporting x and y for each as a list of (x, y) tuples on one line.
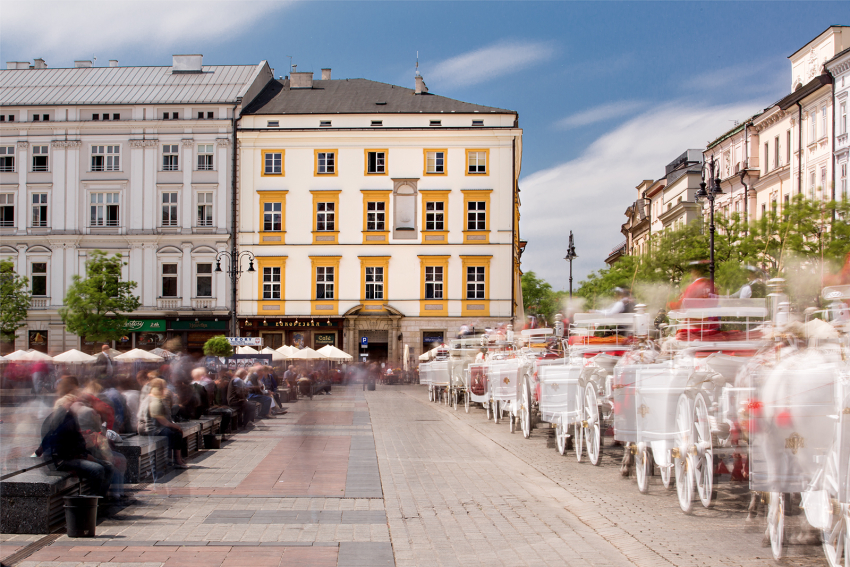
[(476, 162), (105, 158), (7, 158), (39, 158), (271, 282), (475, 282), (325, 163), (205, 209), (95, 116), (434, 215), (478, 123), (813, 126), (170, 157), (35, 117), (200, 115), (823, 178), (39, 209), (766, 155), (272, 124), (273, 162), (38, 278), (433, 282), (169, 209), (823, 121), (116, 117), (172, 116), (476, 215), (435, 162), (325, 216), (374, 282), (375, 215), (169, 280), (272, 216), (324, 123), (324, 282), (763, 210), (377, 122), (776, 152), (788, 147), (842, 118), (205, 157), (7, 209), (376, 162), (203, 280), (436, 122), (45, 117), (844, 181), (104, 209)]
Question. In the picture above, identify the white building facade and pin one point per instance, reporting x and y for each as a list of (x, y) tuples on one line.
[(129, 160), (378, 215)]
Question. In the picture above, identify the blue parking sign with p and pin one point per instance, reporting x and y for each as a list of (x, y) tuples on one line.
[(364, 341)]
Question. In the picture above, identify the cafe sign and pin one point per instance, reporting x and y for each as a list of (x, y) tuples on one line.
[(145, 326), (198, 325), (296, 323)]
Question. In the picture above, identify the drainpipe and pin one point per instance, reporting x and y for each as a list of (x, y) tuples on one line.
[(514, 248), (234, 321), (746, 162), (746, 203), (833, 147), (799, 148)]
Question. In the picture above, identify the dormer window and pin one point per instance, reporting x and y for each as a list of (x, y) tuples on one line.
[(273, 124), (478, 123), (377, 122), (324, 123), (436, 123)]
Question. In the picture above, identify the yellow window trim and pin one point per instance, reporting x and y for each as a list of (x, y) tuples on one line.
[(271, 262), (315, 262), (374, 262), (376, 196), (425, 161), (476, 261), (476, 195), (263, 163), (331, 196), (316, 163), (426, 306), (273, 197), (366, 161), (486, 162), (435, 195)]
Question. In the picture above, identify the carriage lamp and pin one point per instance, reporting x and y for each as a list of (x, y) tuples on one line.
[(709, 195)]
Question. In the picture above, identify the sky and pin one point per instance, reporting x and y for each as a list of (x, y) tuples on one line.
[(607, 93)]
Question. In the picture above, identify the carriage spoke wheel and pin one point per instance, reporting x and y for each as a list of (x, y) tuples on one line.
[(704, 458), (525, 410), (776, 522), (836, 536), (682, 466), (497, 411), (561, 437), (466, 400), (592, 433), (643, 460)]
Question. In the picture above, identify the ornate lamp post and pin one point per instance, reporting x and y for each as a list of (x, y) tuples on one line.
[(234, 271), (571, 255), (709, 194)]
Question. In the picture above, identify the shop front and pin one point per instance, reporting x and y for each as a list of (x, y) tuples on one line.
[(194, 333), (432, 339), (146, 334), (294, 331)]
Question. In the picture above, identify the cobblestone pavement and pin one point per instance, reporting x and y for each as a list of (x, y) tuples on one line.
[(384, 478)]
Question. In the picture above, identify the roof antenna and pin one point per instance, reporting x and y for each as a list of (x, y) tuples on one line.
[(290, 62), (417, 64), (94, 60)]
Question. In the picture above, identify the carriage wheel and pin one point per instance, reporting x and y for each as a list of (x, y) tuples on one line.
[(836, 539), (776, 522), (682, 466), (497, 411), (466, 400), (578, 439), (704, 458), (592, 433), (561, 437), (525, 409), (643, 460)]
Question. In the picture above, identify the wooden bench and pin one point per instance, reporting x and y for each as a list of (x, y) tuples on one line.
[(209, 431), (32, 502), (147, 457), (227, 416), (192, 439)]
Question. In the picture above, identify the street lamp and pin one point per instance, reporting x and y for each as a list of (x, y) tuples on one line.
[(709, 195), (571, 255), (234, 271)]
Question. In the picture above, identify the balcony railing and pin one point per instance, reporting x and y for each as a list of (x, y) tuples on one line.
[(39, 303), (203, 303), (621, 246), (169, 303)]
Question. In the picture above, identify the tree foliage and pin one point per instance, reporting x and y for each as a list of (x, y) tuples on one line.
[(538, 297), (218, 346), (15, 299), (95, 306)]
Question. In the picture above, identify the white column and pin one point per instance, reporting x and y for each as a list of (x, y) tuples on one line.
[(224, 191), (23, 204), (57, 272), (136, 264), (151, 198), (222, 281), (22, 260), (186, 193), (75, 210), (56, 199), (136, 220), (186, 273), (71, 266), (149, 289)]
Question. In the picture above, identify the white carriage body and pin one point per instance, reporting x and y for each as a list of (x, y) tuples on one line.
[(559, 390), (503, 377), (477, 384), (439, 373), (425, 373), (657, 388)]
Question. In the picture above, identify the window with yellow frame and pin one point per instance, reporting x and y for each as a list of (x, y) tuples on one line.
[(435, 216), (377, 161), (436, 161), (376, 209), (374, 279), (324, 297), (271, 279), (272, 217), (476, 220), (325, 163), (476, 286), (478, 162), (434, 275), (273, 163), (325, 216)]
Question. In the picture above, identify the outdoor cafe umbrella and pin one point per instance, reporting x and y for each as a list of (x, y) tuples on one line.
[(17, 355), (276, 355), (287, 351), (334, 353), (35, 355), (246, 350), (74, 356), (307, 353), (138, 355)]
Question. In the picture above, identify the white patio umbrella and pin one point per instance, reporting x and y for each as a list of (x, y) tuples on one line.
[(138, 355), (17, 355), (276, 356), (74, 356), (289, 351), (332, 352), (308, 354), (35, 355), (246, 350)]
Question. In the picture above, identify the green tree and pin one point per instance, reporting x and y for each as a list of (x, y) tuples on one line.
[(538, 297), (14, 301), (218, 346), (95, 306)]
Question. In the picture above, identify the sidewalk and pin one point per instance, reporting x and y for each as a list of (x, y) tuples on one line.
[(300, 489)]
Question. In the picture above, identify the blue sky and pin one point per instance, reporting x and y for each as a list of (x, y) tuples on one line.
[(607, 92)]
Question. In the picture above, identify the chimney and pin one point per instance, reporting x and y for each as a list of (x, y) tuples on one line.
[(301, 80), (113, 62), (82, 64), (326, 74), (420, 85), (17, 64), (39, 63), (187, 63)]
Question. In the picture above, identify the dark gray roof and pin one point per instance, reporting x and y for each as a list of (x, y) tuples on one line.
[(356, 96)]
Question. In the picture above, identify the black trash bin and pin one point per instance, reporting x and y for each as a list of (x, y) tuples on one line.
[(81, 515), (370, 385)]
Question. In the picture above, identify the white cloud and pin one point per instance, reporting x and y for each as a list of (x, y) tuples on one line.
[(61, 31), (589, 194), (600, 113), (488, 63)]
